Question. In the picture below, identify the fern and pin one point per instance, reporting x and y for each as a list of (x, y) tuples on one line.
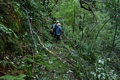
[(7, 31), (9, 77)]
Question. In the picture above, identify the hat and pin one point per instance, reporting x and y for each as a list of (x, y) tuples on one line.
[(58, 24), (57, 21)]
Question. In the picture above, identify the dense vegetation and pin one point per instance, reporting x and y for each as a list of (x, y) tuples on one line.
[(89, 48)]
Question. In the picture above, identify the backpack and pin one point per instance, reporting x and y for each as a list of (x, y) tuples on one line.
[(55, 27)]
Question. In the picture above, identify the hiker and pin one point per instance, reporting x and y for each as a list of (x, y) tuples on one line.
[(52, 28), (54, 25), (57, 31)]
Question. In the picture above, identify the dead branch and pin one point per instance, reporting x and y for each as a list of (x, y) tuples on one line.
[(33, 39), (52, 53), (31, 31)]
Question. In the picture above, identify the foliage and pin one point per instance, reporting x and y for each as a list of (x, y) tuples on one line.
[(89, 48)]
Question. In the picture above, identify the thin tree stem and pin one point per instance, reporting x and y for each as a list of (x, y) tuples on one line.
[(74, 19), (35, 45), (116, 27), (101, 28)]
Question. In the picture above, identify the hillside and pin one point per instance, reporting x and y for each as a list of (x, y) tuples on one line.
[(88, 49)]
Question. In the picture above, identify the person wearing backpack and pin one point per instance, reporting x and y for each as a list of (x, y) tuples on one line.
[(57, 31), (53, 27)]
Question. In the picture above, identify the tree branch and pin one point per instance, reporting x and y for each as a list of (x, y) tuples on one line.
[(102, 28), (94, 15), (83, 2), (88, 9)]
